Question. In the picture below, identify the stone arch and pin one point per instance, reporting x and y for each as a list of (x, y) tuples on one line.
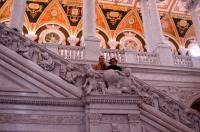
[(59, 33), (171, 41), (129, 39), (101, 34)]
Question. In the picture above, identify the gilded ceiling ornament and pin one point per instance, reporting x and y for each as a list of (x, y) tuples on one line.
[(182, 25), (74, 13), (113, 16), (34, 9)]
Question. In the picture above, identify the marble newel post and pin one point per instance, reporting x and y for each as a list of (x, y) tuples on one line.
[(164, 51), (195, 19), (17, 14), (147, 25), (90, 41)]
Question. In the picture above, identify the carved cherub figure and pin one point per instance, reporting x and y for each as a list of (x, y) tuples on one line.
[(91, 82), (46, 62)]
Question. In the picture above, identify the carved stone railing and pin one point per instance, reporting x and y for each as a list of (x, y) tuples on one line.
[(110, 53), (180, 60), (147, 58), (123, 83), (170, 107), (40, 55), (71, 52), (93, 82)]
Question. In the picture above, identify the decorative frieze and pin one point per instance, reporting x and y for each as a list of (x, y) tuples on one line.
[(40, 101), (41, 119)]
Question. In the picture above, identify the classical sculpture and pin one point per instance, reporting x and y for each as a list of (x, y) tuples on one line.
[(45, 61), (71, 74), (25, 49)]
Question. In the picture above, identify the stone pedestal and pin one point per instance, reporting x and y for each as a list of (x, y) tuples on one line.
[(165, 55), (52, 47), (113, 113), (92, 49), (130, 56), (196, 62)]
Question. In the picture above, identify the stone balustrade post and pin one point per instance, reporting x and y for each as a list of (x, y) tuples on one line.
[(130, 56), (52, 47), (196, 62)]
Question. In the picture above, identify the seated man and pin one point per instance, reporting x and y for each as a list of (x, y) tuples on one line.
[(101, 65)]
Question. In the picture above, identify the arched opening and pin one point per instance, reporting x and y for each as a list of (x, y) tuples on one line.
[(196, 105)]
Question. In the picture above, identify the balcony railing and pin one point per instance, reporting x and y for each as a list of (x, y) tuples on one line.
[(182, 60), (77, 53), (110, 53), (71, 52), (146, 58)]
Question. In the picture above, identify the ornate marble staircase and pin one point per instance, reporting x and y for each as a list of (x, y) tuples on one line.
[(93, 98)]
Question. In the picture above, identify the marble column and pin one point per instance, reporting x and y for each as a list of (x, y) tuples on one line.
[(156, 24), (195, 19), (17, 14), (147, 25), (90, 41), (163, 50)]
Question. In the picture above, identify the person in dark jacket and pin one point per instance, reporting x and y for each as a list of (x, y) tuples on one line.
[(113, 65)]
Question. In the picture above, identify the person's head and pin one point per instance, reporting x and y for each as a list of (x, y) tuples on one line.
[(101, 60), (113, 61)]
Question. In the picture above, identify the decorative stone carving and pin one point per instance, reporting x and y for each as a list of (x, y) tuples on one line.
[(25, 49), (115, 127), (6, 37), (94, 83), (115, 118), (71, 74), (41, 119), (46, 62), (94, 116), (134, 117)]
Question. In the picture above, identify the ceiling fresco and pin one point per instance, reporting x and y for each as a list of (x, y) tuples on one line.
[(113, 17)]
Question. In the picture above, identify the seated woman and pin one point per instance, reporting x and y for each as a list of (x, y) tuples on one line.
[(113, 65)]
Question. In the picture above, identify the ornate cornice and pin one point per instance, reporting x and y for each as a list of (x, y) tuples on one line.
[(114, 99), (40, 101)]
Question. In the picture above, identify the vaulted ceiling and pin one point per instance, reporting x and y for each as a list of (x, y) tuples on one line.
[(113, 17)]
